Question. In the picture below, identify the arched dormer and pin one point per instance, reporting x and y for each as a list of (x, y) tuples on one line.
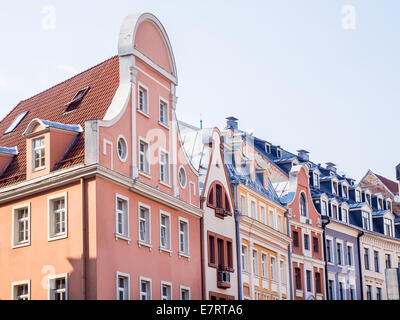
[(7, 154), (218, 199), (303, 205)]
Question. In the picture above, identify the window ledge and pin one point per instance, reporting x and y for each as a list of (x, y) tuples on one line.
[(38, 169), (58, 237), (144, 174), (185, 255), (122, 237), (165, 184), (144, 113), (163, 125), (20, 245), (144, 244), (166, 250)]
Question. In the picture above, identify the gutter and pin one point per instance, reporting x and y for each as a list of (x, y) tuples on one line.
[(202, 260), (324, 224), (85, 248), (238, 245), (360, 234), (289, 254)]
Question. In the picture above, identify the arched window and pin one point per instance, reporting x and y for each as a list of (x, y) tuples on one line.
[(218, 199), (303, 205)]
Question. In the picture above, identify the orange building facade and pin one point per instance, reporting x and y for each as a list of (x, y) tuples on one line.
[(97, 197)]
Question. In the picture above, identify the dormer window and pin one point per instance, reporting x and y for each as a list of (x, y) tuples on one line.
[(358, 196), (380, 204), (143, 99), (303, 205), (316, 179), (334, 211), (38, 153), (335, 187), (344, 192), (366, 221), (368, 197), (267, 147), (389, 205), (344, 215), (76, 100), (16, 122), (324, 207), (279, 153), (388, 227)]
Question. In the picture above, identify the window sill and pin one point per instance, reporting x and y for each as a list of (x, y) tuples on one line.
[(38, 169), (144, 244), (58, 237), (165, 184), (166, 250), (184, 255), (144, 113), (163, 125), (122, 237), (21, 245), (144, 174)]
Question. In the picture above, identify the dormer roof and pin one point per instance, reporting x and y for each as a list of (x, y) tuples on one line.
[(50, 124), (10, 151)]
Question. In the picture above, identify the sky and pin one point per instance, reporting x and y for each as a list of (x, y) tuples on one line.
[(303, 74)]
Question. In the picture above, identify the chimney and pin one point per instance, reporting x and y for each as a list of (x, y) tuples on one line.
[(331, 166), (303, 155), (232, 123)]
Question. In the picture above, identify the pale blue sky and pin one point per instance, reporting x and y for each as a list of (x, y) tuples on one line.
[(286, 69)]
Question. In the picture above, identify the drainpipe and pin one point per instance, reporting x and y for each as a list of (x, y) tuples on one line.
[(84, 241), (324, 224), (289, 254), (360, 234), (238, 245), (202, 260)]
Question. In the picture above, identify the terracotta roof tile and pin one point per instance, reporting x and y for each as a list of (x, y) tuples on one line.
[(103, 80), (390, 184)]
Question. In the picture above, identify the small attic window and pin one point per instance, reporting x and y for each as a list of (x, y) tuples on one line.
[(267, 147), (279, 153), (16, 122), (76, 100)]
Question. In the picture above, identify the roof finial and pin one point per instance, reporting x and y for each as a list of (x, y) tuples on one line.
[(201, 122)]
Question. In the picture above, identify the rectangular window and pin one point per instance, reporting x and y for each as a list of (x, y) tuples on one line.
[(388, 227), (345, 192), (273, 268), (282, 271), (211, 250), (264, 265), (38, 147), (376, 261), (58, 287), (318, 282), (144, 157), (164, 167), (220, 253), (324, 207), (145, 289), (244, 258), (243, 204), (185, 293), (122, 216), (329, 253), (334, 212), (297, 275), (352, 292), (21, 225), (144, 224), (331, 289), (143, 99), (163, 112), (166, 291), (229, 256), (366, 220), (358, 196), (341, 291), (295, 239), (369, 292), (271, 219), (253, 210), (255, 262), (315, 244), (350, 261), (165, 231), (306, 242), (339, 248), (388, 260), (366, 259), (21, 290), (344, 215), (315, 182), (183, 237), (378, 293), (279, 222), (263, 217), (309, 281), (122, 286)]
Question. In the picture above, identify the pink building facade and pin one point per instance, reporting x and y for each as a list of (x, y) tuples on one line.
[(98, 199)]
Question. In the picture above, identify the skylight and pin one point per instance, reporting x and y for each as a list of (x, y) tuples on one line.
[(77, 99), (16, 122)]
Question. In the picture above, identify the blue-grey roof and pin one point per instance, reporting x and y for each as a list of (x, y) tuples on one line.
[(379, 213), (68, 127), (9, 150)]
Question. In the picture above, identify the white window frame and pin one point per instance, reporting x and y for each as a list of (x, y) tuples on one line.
[(123, 159), (51, 236), (187, 289), (149, 281), (344, 289), (243, 204), (279, 222), (146, 158), (253, 201), (272, 266), (334, 289), (324, 211), (148, 225), (345, 214), (182, 169), (160, 101), (357, 195), (271, 222), (306, 280), (147, 111), (20, 283), (264, 265), (331, 250), (315, 179), (168, 231), (390, 224), (52, 278), (255, 268), (168, 284), (341, 253), (350, 245), (128, 277), (166, 164), (117, 234), (15, 231), (306, 204), (34, 168), (369, 220), (245, 256), (263, 218), (282, 271), (187, 253)]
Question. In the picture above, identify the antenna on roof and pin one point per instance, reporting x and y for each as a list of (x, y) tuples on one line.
[(201, 122)]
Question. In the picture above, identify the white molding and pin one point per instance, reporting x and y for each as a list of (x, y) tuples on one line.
[(54, 277), (141, 242), (49, 219), (147, 174), (161, 99), (150, 286), (186, 178), (141, 85), (15, 245), (164, 213), (165, 183), (184, 288), (17, 283), (168, 284), (117, 234), (126, 275), (105, 143), (152, 78), (185, 254), (121, 136)]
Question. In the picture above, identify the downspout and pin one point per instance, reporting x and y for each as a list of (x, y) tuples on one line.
[(202, 260), (238, 245), (360, 234), (324, 224), (289, 254), (84, 240)]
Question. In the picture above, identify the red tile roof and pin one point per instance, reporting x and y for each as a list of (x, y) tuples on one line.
[(393, 186), (103, 80)]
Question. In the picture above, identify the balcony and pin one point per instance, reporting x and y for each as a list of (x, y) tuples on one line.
[(223, 278), (221, 212)]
